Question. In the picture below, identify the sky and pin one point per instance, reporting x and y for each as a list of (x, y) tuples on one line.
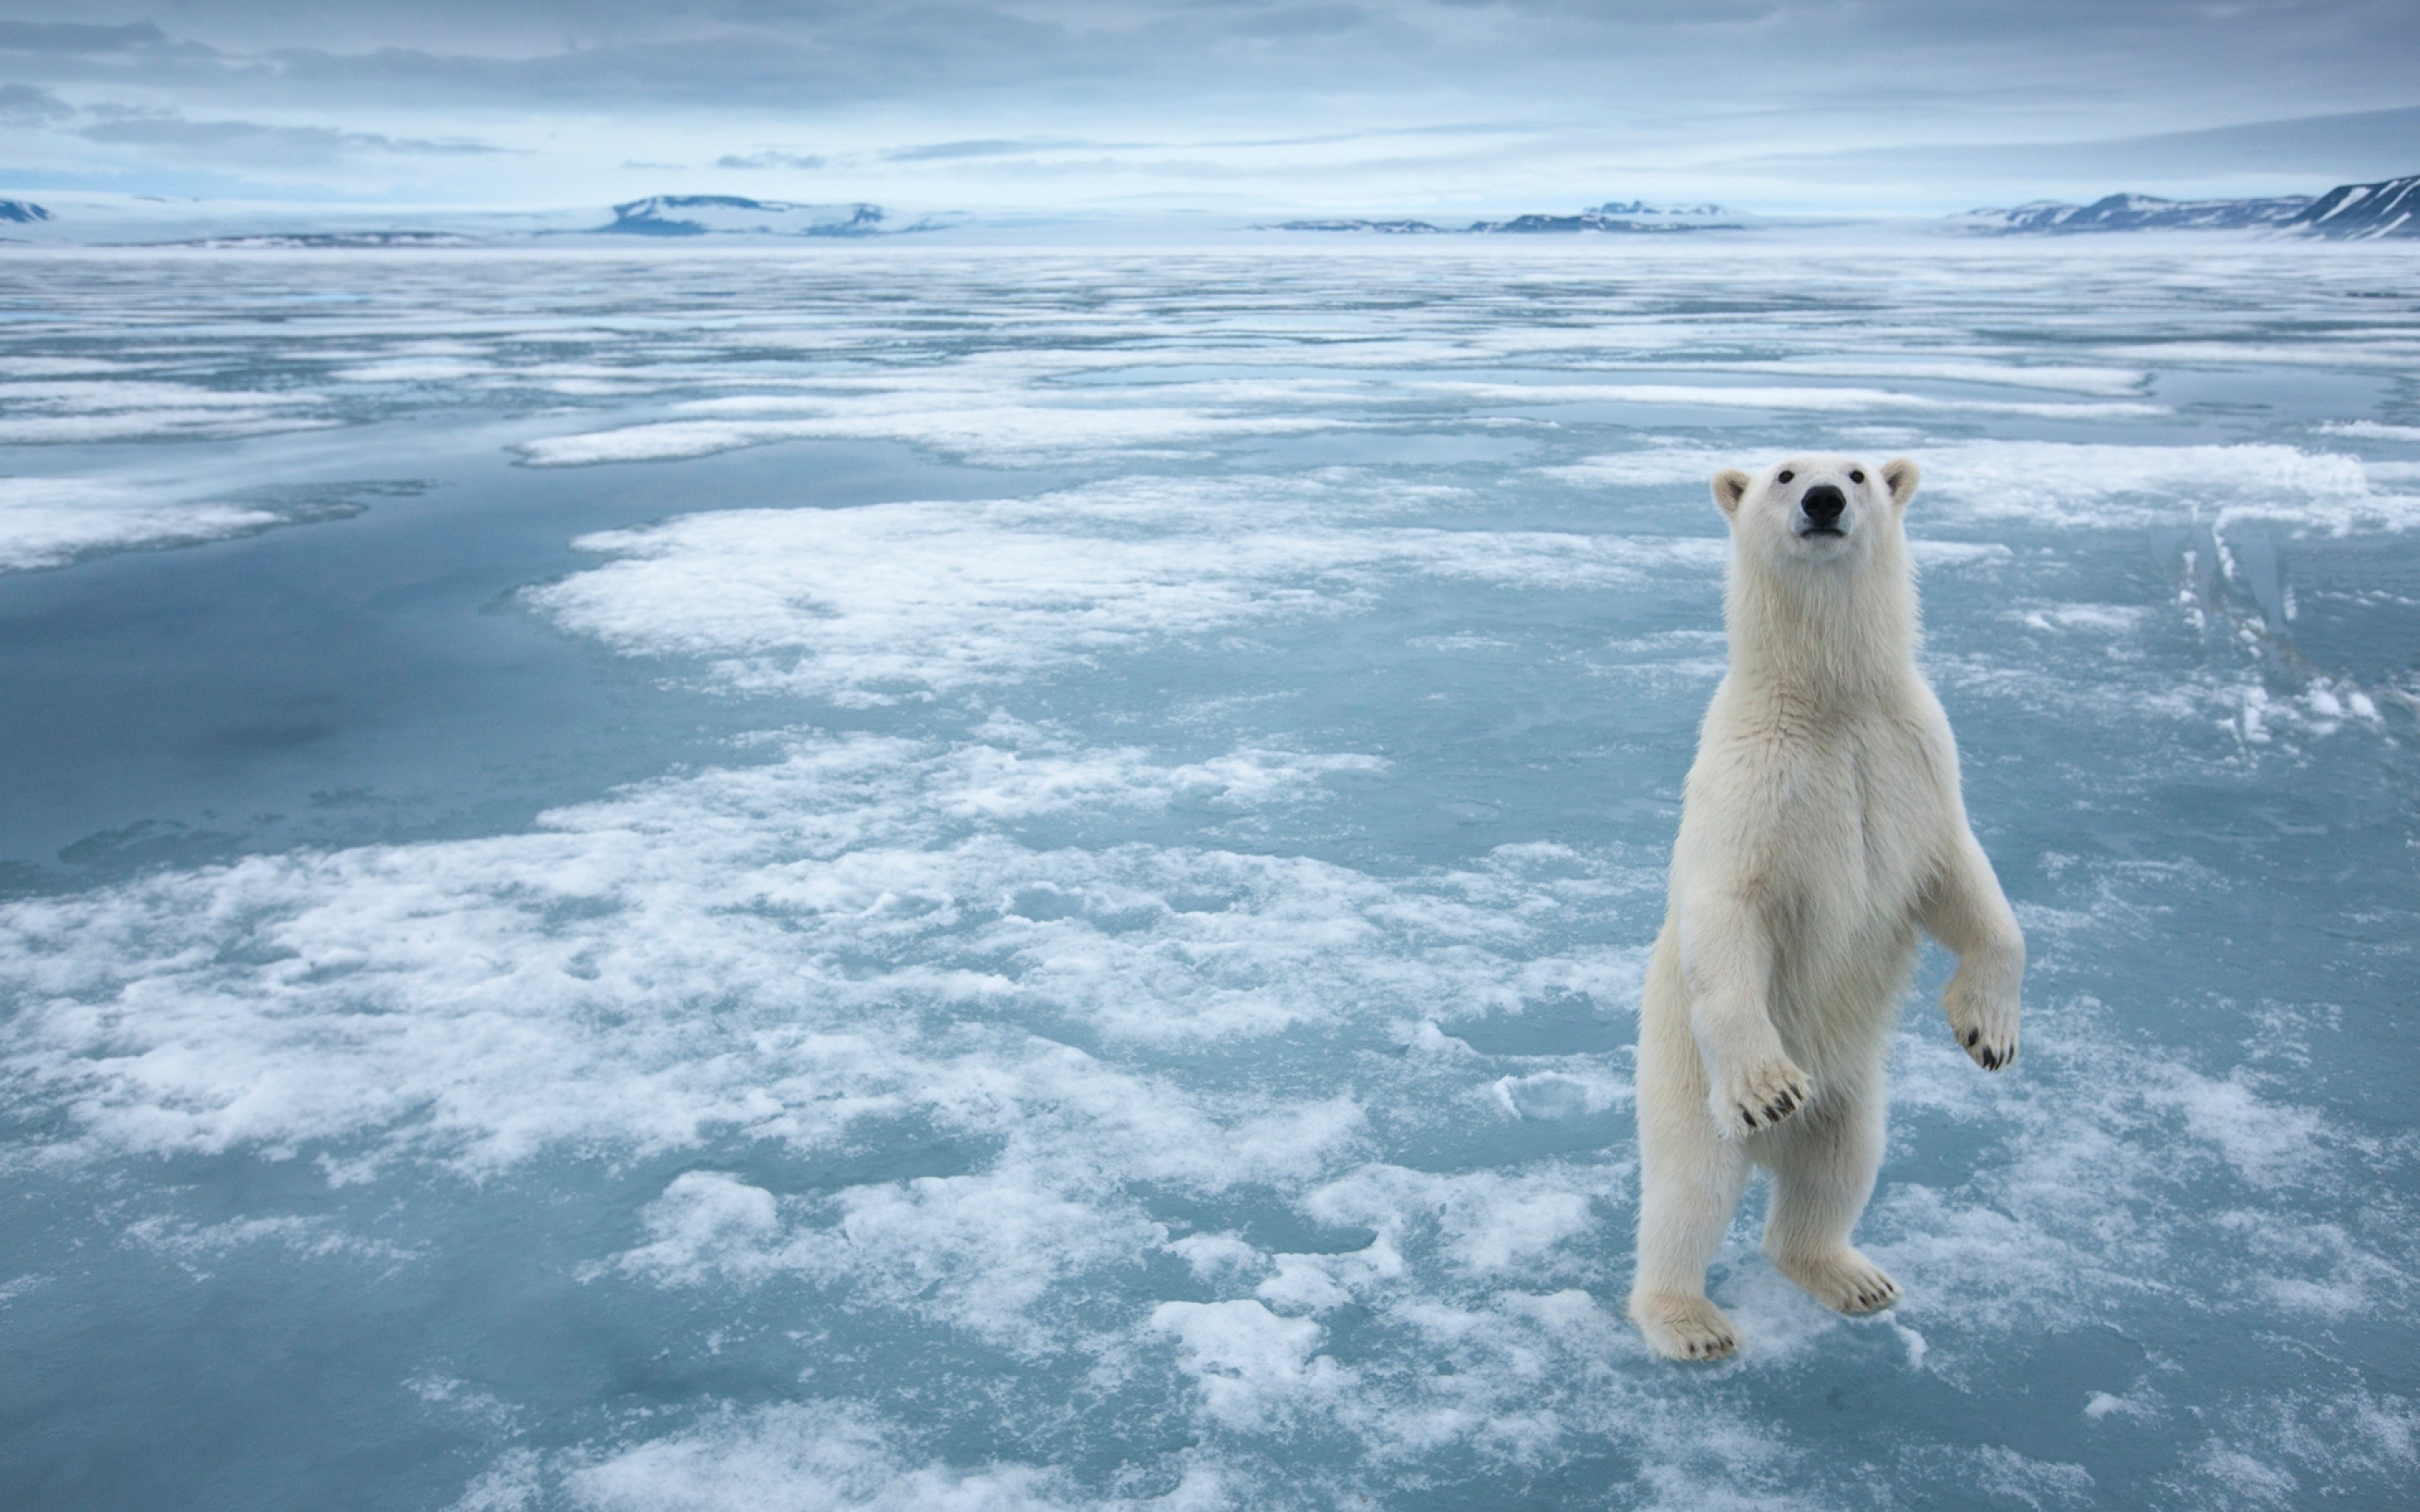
[(1420, 107)]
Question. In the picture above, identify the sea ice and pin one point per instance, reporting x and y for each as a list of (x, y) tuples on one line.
[(1141, 1018)]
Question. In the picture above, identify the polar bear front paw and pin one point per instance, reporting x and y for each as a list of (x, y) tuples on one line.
[(1985, 1023), (1760, 1096), (1683, 1328), (1845, 1281)]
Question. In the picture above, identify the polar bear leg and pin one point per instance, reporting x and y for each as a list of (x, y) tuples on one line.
[(1689, 1181), (1967, 911), (1686, 1198), (1824, 1166)]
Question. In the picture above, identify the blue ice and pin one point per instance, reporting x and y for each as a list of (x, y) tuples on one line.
[(927, 876)]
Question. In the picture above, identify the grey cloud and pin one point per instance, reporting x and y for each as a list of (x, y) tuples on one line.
[(939, 151), (2327, 149), (1302, 21), (22, 104), (1001, 147), (1632, 77), (256, 141), (180, 136), (769, 159), (1590, 54), (73, 37)]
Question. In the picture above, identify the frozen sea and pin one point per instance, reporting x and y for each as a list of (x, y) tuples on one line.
[(917, 876)]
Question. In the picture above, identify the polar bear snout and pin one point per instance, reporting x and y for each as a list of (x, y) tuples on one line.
[(1821, 506)]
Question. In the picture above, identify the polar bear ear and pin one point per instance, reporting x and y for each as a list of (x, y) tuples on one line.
[(1901, 476), (1731, 486)]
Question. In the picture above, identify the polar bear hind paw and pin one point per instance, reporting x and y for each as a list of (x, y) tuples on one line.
[(1845, 1281), (1683, 1328), (1760, 1098)]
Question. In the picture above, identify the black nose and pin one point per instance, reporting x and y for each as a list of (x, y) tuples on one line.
[(1823, 503)]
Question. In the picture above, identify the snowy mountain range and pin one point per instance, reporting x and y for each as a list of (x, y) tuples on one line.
[(2345, 214), (2363, 211), (88, 218), (1633, 216), (697, 215), (2132, 212)]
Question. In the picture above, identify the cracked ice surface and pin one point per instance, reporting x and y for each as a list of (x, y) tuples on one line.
[(1088, 958)]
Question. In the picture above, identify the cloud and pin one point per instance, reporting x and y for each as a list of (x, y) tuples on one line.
[(2329, 149), (23, 104), (767, 159), (937, 152), (1004, 147), (253, 140), (70, 38), (1771, 102), (2058, 54)]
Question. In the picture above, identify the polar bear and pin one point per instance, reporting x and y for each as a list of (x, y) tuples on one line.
[(1821, 828)]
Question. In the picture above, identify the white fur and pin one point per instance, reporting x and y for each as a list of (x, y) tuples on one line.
[(1822, 828)]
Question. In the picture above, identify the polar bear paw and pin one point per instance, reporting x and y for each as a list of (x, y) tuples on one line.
[(1985, 1023), (1844, 1281), (1682, 1327), (1760, 1096)]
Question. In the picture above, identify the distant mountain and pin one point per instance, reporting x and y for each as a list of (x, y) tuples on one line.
[(697, 215), (127, 220), (1634, 216), (2134, 212), (1641, 216), (1393, 228), (2347, 212), (2362, 212), (322, 240)]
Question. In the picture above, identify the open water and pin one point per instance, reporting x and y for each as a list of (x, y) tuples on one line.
[(907, 876)]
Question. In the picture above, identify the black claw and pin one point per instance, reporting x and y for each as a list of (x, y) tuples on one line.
[(1747, 1118), (1973, 1035)]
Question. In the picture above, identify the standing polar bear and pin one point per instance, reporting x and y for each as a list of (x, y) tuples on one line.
[(1820, 829)]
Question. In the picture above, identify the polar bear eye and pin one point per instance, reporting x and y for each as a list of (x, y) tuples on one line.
[(1856, 477), (1784, 475)]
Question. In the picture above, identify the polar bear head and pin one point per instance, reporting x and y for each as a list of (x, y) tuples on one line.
[(1821, 594), (1816, 509)]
